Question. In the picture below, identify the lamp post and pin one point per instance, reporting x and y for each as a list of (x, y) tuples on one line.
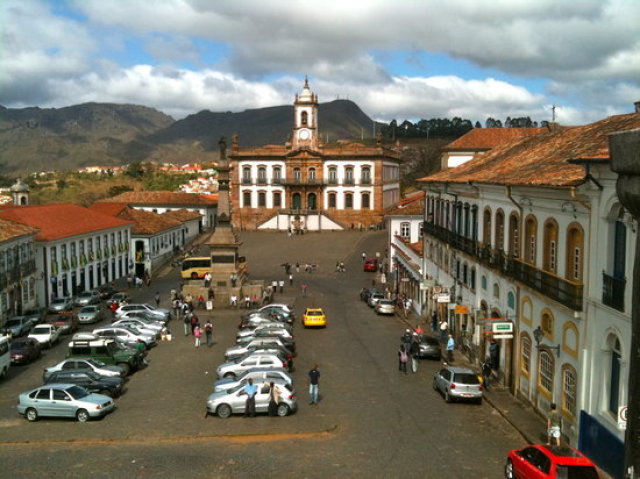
[(538, 335)]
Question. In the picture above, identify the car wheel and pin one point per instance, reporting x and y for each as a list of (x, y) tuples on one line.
[(508, 469), (229, 376), (31, 414), (82, 415), (105, 392), (447, 397), (223, 411), (283, 410), (194, 275), (435, 385)]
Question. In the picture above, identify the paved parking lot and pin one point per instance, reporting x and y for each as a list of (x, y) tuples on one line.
[(372, 421)]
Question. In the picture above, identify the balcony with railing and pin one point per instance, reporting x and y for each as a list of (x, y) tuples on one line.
[(559, 289), (613, 291), (246, 180)]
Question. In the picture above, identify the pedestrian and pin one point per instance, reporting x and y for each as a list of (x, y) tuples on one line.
[(129, 282), (337, 266), (281, 284), (138, 282), (414, 352), (434, 322), (195, 322), (290, 280), (406, 340), (207, 280), (197, 332), (187, 323), (297, 267), (201, 302), (233, 301), (554, 425), (250, 390), (342, 267), (403, 357), (451, 345), (444, 328), (274, 285), (211, 296), (314, 385), (157, 298), (274, 399), (364, 256), (208, 331), (247, 301), (304, 288), (486, 372), (141, 347), (234, 279)]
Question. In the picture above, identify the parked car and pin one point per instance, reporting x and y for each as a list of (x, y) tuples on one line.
[(106, 291), (237, 367), (60, 305), (17, 326), (385, 306), (314, 317), (366, 292), (374, 298), (143, 325), (241, 350), (92, 382), (107, 351), (130, 334), (226, 403), (456, 383), (36, 315), (285, 307), (63, 400), (25, 350), (118, 298), (258, 375), (254, 320), (88, 364), (543, 461), (282, 334), (274, 329), (284, 314), (370, 265), (159, 313), (140, 314), (86, 298), (46, 334), (66, 323), (90, 314), (429, 347)]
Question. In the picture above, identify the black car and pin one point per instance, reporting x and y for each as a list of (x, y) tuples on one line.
[(91, 381), (365, 293), (106, 291), (429, 347), (36, 315)]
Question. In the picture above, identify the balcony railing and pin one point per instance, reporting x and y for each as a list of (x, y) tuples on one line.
[(365, 181), (613, 291), (246, 181), (559, 289)]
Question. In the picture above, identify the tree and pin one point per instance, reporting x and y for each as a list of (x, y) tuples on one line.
[(478, 125), (135, 170)]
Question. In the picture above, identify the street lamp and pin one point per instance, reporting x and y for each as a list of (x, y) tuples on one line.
[(538, 334)]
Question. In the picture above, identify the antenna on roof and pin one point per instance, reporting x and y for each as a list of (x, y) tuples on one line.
[(553, 113)]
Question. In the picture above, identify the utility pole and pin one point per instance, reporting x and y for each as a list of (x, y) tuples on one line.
[(625, 161)]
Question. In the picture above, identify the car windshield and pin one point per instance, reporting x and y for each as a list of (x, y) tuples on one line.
[(314, 313), (13, 321), (466, 378), (41, 330), (77, 392), (89, 309), (59, 301), (93, 375), (576, 472), (96, 362), (31, 312), (430, 341)]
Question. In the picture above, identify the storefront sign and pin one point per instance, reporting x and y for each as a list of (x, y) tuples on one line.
[(622, 417), (504, 327), (443, 297), (502, 336), (462, 309)]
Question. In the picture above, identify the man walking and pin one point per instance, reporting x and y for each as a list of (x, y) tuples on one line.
[(451, 345), (486, 372), (157, 298), (208, 331), (554, 425), (314, 382)]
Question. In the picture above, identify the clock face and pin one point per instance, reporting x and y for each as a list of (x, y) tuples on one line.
[(304, 134)]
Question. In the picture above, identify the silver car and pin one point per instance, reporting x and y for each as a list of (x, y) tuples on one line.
[(159, 313), (274, 330), (374, 298), (242, 349), (95, 365), (385, 306), (226, 403), (63, 400), (258, 375), (90, 314), (233, 369), (129, 334), (60, 305), (143, 328), (458, 383), (86, 298)]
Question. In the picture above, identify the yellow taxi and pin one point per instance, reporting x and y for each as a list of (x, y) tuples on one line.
[(314, 317)]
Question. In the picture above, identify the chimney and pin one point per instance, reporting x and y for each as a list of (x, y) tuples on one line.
[(637, 105)]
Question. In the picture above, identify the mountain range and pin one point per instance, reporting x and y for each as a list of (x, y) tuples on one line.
[(106, 134)]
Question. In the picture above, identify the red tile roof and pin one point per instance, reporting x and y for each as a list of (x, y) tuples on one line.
[(542, 159), (10, 230), (144, 222), (182, 215), (412, 205), (161, 198), (61, 220), (487, 138)]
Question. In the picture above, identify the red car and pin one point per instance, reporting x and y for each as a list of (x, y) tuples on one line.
[(370, 265), (66, 323), (24, 350), (549, 462)]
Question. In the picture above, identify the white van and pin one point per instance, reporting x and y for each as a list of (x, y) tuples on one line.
[(5, 356)]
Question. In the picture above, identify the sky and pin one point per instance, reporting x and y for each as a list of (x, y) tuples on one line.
[(396, 59)]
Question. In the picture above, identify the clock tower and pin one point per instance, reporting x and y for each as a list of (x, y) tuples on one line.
[(305, 119)]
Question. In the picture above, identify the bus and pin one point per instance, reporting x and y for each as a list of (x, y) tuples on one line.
[(196, 267), (5, 356)]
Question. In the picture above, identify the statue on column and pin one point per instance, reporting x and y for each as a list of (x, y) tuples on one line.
[(223, 148)]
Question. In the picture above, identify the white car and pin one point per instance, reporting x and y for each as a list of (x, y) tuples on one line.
[(142, 326), (106, 370), (258, 375), (161, 313), (276, 328), (45, 334), (129, 334), (236, 368)]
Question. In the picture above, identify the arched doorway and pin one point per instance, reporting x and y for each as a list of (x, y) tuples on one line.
[(311, 201), (296, 201)]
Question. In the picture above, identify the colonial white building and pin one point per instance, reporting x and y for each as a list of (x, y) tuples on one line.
[(530, 234)]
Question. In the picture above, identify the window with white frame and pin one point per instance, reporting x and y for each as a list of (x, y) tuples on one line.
[(569, 389), (525, 351), (405, 229), (545, 373)]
